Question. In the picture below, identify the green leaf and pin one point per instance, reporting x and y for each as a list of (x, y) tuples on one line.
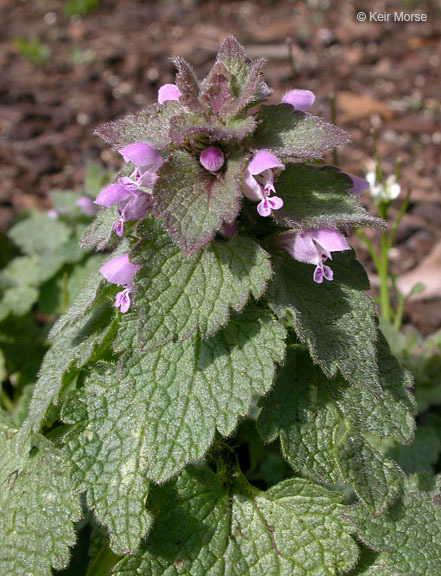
[(65, 202), (72, 349), (177, 293), (290, 133), (393, 416), (254, 90), (232, 56), (103, 563), (38, 506), (23, 270), (423, 453), (99, 234), (298, 411), (316, 437), (39, 234), (179, 394), (408, 535), (17, 301), (371, 563), (334, 319), (377, 480), (95, 291), (193, 203), (211, 525), (319, 197), (108, 462), (151, 125)]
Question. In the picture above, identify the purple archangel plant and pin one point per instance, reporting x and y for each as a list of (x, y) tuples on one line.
[(220, 392)]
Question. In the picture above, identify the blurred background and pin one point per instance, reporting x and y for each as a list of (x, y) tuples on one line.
[(69, 65)]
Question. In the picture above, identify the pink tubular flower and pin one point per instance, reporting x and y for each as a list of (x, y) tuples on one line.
[(314, 247), (120, 271), (360, 185), (133, 203), (168, 92), (146, 160), (212, 159), (259, 182), (300, 99)]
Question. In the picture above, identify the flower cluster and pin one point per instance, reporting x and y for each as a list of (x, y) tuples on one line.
[(131, 194), (383, 191), (198, 144)]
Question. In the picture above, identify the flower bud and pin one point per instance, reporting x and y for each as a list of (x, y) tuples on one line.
[(212, 159)]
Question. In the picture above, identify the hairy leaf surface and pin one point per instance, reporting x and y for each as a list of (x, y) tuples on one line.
[(408, 535), (72, 349), (246, 84), (212, 526), (186, 127), (151, 125), (334, 319), (99, 234), (192, 203), (178, 293), (107, 459), (290, 133), (177, 395), (187, 84), (316, 437), (38, 506), (319, 197)]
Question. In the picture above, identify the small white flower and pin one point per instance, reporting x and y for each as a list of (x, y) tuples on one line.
[(383, 192), (392, 187)]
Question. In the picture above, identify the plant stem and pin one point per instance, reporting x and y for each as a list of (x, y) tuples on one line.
[(383, 270), (399, 311), (402, 211), (370, 249)]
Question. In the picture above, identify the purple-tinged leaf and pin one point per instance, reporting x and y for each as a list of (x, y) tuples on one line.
[(244, 77), (255, 90), (290, 133), (187, 84), (217, 96), (151, 125), (193, 203), (188, 127), (319, 197), (232, 55)]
